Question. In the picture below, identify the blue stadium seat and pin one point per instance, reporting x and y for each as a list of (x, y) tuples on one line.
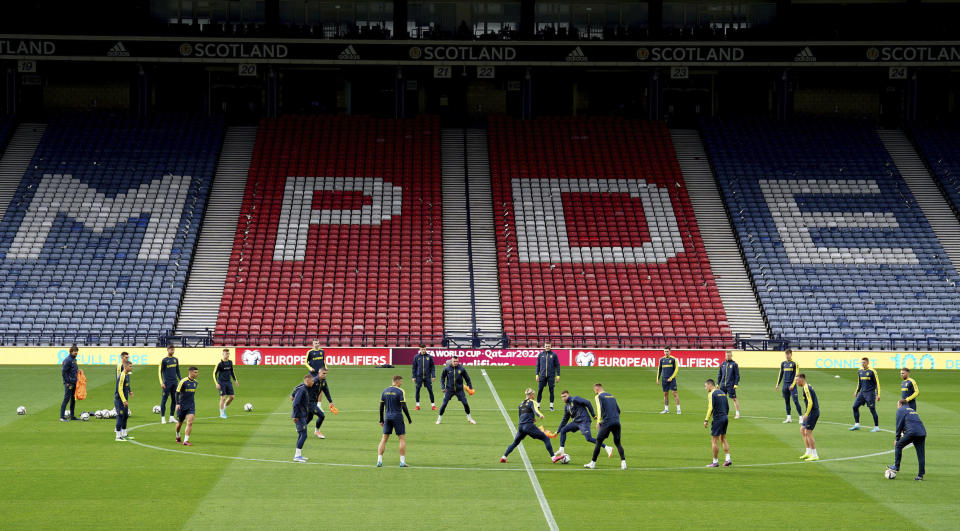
[(85, 243), (835, 243)]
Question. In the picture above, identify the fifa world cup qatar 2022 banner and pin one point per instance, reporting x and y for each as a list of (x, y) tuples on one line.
[(483, 356), (297, 355)]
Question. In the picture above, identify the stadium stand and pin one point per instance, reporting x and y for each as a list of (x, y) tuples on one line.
[(97, 240), (940, 148), (339, 235), (597, 241), (838, 250)]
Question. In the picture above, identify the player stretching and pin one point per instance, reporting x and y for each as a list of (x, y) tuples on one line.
[(300, 414), (909, 430), (808, 420), (667, 378), (548, 372), (424, 372), (451, 385), (169, 378), (728, 380), (608, 422), (868, 392), (121, 397), (528, 414), (580, 411), (315, 358), (393, 405), (908, 389), (186, 404), (717, 408), (221, 376), (788, 371)]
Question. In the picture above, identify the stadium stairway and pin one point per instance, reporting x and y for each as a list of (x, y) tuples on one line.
[(458, 316), (929, 197), (15, 160), (201, 301), (736, 289), (486, 285)]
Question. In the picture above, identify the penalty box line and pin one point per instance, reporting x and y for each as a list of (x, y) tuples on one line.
[(544, 505)]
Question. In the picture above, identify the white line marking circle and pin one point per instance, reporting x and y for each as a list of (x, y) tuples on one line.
[(490, 469)]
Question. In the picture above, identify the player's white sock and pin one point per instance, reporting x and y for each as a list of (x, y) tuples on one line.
[(715, 460), (727, 458), (560, 451), (856, 424), (379, 459), (623, 464), (418, 404), (666, 407), (163, 420), (469, 417), (678, 410), (186, 438), (439, 418), (809, 451), (432, 404), (738, 412), (813, 452), (403, 459), (551, 405), (298, 454)]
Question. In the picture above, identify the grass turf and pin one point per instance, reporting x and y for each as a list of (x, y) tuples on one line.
[(239, 472)]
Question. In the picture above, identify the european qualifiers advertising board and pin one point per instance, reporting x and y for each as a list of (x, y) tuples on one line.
[(519, 53)]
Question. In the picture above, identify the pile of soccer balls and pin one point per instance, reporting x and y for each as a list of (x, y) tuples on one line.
[(105, 413)]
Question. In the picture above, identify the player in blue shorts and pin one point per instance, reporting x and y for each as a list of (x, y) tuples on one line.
[(867, 393), (808, 420), (393, 406), (717, 409), (667, 370), (222, 376), (186, 404)]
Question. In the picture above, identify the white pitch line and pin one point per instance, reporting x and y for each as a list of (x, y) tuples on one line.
[(547, 513)]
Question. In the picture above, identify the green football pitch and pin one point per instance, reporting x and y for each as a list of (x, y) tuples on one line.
[(240, 473)]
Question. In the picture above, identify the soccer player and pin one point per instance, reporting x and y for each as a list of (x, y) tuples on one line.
[(315, 359), (300, 414), (868, 392), (451, 385), (667, 378), (186, 404), (788, 371), (908, 388), (580, 411), (808, 420), (717, 409), (169, 370), (393, 405), (528, 413), (316, 407), (121, 396), (424, 372), (728, 380), (608, 422), (68, 372), (221, 377), (548, 372), (909, 430)]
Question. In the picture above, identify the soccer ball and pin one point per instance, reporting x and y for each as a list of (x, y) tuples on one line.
[(156, 410), (248, 407), (98, 413), (566, 459), (84, 416), (890, 474), (21, 410), (113, 413)]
